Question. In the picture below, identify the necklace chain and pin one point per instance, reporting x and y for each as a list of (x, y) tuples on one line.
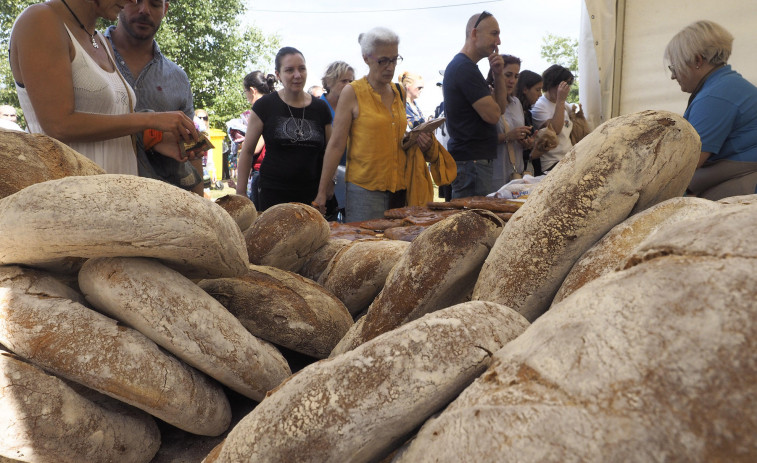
[(92, 35), (299, 132)]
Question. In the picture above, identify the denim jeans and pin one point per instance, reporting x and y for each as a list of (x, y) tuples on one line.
[(474, 178)]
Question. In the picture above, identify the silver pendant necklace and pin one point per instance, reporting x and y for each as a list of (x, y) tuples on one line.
[(299, 128), (92, 35)]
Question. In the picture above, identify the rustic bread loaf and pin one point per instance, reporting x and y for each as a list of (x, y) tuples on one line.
[(284, 308), (358, 406), (437, 270), (286, 235), (34, 158), (613, 249), (46, 420), (81, 345), (319, 260), (183, 319), (409, 233), (240, 208), (626, 165), (651, 363), (356, 274), (120, 216), (743, 199)]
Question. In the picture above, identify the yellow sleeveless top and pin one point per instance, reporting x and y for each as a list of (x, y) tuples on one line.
[(375, 158)]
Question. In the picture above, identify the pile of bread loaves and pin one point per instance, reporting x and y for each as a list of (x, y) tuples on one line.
[(609, 319)]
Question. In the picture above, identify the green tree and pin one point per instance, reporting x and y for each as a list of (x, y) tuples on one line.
[(205, 37), (563, 51)]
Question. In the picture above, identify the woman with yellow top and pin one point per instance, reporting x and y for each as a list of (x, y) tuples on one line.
[(371, 113)]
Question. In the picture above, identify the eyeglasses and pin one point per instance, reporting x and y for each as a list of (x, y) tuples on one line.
[(672, 70), (384, 62), (481, 17), (203, 118)]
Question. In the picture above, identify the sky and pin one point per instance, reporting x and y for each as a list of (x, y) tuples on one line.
[(431, 32)]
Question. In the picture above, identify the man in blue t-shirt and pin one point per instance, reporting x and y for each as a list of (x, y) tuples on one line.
[(472, 109)]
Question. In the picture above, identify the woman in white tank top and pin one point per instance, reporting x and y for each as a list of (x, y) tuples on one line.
[(70, 89)]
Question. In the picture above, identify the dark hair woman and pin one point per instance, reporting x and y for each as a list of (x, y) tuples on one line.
[(528, 91), (296, 128)]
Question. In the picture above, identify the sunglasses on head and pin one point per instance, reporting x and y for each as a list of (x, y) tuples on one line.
[(481, 17)]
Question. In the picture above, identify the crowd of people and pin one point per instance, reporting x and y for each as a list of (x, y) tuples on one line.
[(343, 146)]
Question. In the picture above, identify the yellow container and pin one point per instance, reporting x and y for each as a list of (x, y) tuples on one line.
[(216, 138)]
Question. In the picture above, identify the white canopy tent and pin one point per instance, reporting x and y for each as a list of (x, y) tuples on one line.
[(621, 50)]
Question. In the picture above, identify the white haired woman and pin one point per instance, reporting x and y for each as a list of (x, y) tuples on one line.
[(722, 108), (380, 174)]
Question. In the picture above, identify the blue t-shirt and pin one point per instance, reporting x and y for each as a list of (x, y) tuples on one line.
[(343, 161), (724, 114), (471, 137)]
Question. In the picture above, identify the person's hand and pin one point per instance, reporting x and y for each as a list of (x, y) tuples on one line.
[(563, 89), (519, 133), (496, 63), (176, 123), (424, 140), (320, 201), (528, 142), (170, 148)]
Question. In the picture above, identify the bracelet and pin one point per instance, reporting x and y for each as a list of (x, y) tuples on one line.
[(151, 137)]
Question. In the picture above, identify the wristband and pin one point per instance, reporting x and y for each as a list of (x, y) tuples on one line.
[(151, 137)]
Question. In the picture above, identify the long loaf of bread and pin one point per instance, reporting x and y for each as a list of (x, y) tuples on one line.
[(81, 345)]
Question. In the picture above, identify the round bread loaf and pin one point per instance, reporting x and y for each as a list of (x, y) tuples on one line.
[(183, 319), (356, 274), (34, 158), (240, 208), (79, 344), (743, 199), (358, 406), (626, 165), (120, 216), (437, 270), (46, 420), (286, 235), (284, 308), (652, 363), (613, 249), (319, 260)]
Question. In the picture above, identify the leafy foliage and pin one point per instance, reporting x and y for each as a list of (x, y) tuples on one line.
[(204, 37), (563, 51)]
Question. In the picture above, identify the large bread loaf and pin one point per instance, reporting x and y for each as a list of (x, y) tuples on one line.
[(286, 235), (284, 308), (356, 274), (120, 216), (34, 158), (240, 208), (437, 270), (79, 344), (652, 363), (183, 319), (613, 249), (626, 165), (46, 420), (358, 406), (319, 260)]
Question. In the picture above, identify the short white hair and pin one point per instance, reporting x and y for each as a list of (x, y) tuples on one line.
[(703, 38), (378, 36)]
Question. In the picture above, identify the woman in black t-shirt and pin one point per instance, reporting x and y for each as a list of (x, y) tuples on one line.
[(296, 128)]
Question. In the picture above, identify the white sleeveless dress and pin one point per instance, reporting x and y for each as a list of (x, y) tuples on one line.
[(96, 92)]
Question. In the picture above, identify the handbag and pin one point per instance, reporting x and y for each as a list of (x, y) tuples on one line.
[(511, 155)]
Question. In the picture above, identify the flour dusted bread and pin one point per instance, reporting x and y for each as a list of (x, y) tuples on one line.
[(284, 308), (240, 208), (437, 270), (81, 345), (356, 274), (119, 216), (34, 158), (651, 363), (358, 406), (319, 260), (613, 249), (286, 235), (624, 166), (44, 419), (183, 319)]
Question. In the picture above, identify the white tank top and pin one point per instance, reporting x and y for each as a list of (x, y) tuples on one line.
[(96, 92)]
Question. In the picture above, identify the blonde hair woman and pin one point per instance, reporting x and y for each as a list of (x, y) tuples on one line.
[(722, 108), (413, 84)]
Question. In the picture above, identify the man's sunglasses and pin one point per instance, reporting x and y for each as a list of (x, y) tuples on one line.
[(481, 17)]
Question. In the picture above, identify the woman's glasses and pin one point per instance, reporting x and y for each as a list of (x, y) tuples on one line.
[(384, 62), (204, 118)]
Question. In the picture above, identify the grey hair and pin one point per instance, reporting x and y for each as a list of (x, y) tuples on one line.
[(703, 38), (333, 72), (378, 36)]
